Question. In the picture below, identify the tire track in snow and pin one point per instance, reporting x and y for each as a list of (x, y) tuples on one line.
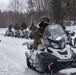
[(13, 49), (8, 67), (14, 62), (26, 70)]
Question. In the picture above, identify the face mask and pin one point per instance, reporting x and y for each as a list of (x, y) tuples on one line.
[(45, 25)]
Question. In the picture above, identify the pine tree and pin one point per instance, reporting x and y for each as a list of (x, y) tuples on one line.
[(57, 11), (70, 10)]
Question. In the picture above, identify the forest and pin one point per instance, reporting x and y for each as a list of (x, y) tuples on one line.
[(30, 11)]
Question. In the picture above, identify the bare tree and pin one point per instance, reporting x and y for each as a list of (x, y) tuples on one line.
[(38, 8), (17, 5)]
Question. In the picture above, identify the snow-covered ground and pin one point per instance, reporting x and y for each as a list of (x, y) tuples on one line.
[(72, 28), (13, 60)]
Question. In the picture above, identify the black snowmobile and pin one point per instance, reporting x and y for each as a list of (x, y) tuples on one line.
[(54, 54)]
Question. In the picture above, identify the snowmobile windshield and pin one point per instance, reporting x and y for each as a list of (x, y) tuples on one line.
[(55, 32)]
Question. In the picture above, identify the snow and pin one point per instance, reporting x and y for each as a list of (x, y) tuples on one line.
[(13, 60), (3, 30), (72, 28)]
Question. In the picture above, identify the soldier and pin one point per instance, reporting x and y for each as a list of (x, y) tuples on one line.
[(40, 30)]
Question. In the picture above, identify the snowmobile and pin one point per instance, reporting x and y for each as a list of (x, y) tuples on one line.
[(17, 33), (53, 55), (9, 33), (71, 38)]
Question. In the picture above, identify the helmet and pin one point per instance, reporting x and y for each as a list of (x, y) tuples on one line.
[(44, 18)]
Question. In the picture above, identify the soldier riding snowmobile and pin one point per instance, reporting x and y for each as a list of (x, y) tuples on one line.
[(54, 54)]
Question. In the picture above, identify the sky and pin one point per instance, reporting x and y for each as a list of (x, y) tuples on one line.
[(4, 4)]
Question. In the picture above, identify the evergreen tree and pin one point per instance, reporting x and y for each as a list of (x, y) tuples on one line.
[(16, 27), (70, 10), (57, 11), (23, 26)]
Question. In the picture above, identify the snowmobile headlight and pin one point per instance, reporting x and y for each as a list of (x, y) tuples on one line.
[(54, 45)]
